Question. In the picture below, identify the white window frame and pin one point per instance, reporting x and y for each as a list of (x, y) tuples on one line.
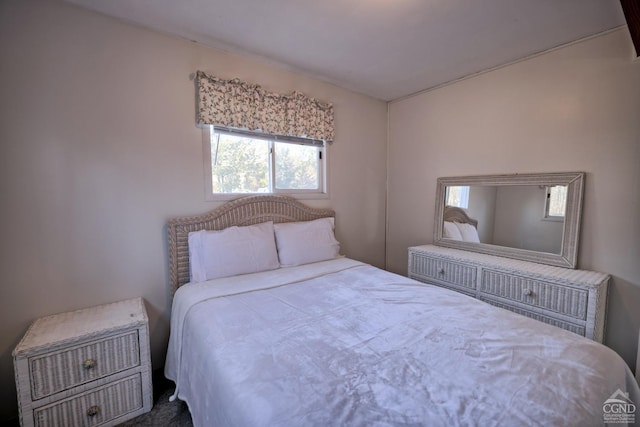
[(547, 205), (321, 193), (464, 196)]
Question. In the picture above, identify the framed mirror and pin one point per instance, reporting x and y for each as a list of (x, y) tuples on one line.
[(532, 217)]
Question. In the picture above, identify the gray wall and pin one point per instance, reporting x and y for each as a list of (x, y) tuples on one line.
[(519, 223), (99, 148), (482, 207), (572, 109)]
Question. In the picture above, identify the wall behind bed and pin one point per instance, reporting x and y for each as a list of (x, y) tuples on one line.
[(99, 148), (576, 108)]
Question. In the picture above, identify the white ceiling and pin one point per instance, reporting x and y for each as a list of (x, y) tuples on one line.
[(383, 48)]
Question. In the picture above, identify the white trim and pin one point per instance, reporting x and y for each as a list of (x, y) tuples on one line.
[(210, 196), (206, 160)]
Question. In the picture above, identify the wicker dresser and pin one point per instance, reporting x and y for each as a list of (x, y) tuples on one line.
[(88, 367), (575, 300)]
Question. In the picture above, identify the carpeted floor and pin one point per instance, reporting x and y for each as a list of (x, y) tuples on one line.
[(164, 413)]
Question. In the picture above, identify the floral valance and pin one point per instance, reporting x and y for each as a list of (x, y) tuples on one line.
[(237, 104)]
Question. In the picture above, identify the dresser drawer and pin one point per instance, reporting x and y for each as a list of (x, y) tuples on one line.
[(93, 408), (441, 271), (578, 329), (560, 299), (57, 371), (575, 300)]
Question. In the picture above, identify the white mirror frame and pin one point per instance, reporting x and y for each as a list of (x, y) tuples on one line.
[(568, 256)]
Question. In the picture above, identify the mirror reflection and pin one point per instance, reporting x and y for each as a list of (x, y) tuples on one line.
[(529, 217)]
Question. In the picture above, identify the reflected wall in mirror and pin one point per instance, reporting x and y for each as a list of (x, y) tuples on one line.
[(534, 217), (517, 216)]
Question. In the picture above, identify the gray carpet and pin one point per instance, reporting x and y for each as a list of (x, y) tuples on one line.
[(164, 413)]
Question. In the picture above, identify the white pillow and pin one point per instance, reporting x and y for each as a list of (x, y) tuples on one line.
[(468, 232), (305, 242), (451, 231), (234, 250)]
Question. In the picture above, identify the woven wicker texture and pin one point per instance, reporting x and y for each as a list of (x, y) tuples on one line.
[(570, 299), (96, 357), (577, 329), (532, 269), (561, 299), (59, 371), (456, 214), (452, 272), (240, 212), (73, 326), (110, 402)]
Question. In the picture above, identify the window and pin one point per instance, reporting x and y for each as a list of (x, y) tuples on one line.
[(556, 202), (243, 162), (458, 196)]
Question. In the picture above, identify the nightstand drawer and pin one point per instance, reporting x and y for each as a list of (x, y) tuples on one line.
[(94, 408), (560, 299), (438, 270), (57, 371)]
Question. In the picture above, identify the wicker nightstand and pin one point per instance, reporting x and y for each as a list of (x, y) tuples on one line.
[(85, 368)]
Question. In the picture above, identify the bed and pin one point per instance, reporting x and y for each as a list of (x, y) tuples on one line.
[(339, 342), (458, 225)]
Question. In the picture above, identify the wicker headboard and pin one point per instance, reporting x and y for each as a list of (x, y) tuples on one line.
[(455, 214), (244, 211)]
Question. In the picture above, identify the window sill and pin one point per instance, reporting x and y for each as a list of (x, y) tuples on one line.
[(233, 196)]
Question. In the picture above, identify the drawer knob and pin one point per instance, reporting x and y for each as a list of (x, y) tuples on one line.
[(528, 292), (93, 411), (89, 363)]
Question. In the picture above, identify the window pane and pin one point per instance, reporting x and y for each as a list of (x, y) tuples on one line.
[(458, 196), (297, 167), (557, 200), (239, 164)]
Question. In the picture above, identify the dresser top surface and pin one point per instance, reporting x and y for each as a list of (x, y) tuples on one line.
[(76, 325), (531, 268)]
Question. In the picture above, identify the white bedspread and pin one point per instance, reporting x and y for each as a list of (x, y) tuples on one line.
[(343, 343)]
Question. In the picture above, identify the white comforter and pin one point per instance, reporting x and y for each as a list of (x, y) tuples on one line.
[(343, 343)]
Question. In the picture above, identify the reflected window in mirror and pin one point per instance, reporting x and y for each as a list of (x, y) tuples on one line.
[(458, 196), (556, 202)]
